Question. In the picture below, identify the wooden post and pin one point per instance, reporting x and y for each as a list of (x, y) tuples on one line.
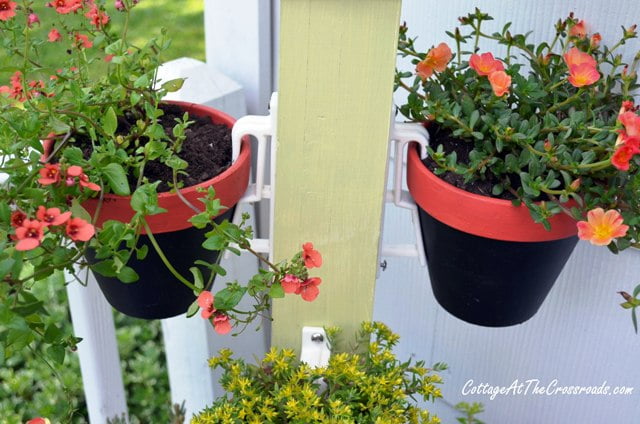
[(337, 60)]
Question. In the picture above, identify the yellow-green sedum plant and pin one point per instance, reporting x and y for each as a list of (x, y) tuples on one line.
[(365, 385)]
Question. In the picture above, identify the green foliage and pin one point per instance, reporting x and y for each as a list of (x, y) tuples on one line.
[(470, 411), (632, 302), (546, 141), (365, 385)]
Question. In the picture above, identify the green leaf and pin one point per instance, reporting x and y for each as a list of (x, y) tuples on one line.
[(198, 281), (276, 291), (215, 242), (109, 121), (141, 82), (117, 179), (52, 334), (229, 297), (173, 85), (475, 115), (193, 309), (58, 126), (127, 275), (56, 353), (105, 268), (78, 211), (5, 266)]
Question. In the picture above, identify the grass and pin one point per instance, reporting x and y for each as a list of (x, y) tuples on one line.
[(28, 385)]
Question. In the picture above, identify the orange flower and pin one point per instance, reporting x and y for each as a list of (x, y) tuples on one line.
[(205, 301), (65, 6), (50, 174), (578, 30), (436, 60), (221, 323), (39, 420), (583, 74), (308, 290), (595, 40), (312, 258), (602, 227), (97, 17), (290, 283), (79, 230), (484, 64), (576, 57), (631, 123), (29, 235), (622, 156), (54, 35), (82, 40), (52, 216), (17, 218), (7, 9), (500, 82)]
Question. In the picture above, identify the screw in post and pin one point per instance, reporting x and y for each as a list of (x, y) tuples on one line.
[(317, 337), (383, 265)]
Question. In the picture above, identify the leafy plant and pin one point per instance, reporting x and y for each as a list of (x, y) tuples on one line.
[(470, 411), (366, 384), (551, 125)]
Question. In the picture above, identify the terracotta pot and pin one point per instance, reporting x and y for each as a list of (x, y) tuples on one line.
[(157, 294), (489, 263)]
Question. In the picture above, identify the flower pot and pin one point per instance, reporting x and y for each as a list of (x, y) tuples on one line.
[(157, 294), (489, 263)]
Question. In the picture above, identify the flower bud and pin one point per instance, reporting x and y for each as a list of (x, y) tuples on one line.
[(595, 40), (547, 146), (626, 296), (575, 184), (32, 19), (631, 31)]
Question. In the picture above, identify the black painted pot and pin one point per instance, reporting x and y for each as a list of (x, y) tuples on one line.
[(489, 263), (157, 294)]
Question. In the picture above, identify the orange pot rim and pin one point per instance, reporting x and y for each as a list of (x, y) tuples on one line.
[(478, 215), (230, 186)]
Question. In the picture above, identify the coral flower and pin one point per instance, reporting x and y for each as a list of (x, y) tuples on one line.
[(17, 218), (602, 227), (79, 230), (484, 64), (97, 17), (576, 57), (65, 6), (595, 40), (312, 258), (205, 301), (583, 74), (500, 82), (54, 35), (622, 156), (308, 290), (7, 10), (631, 123), (76, 171), (221, 323), (436, 60), (290, 283), (52, 216), (39, 420), (82, 40), (50, 174), (29, 235), (579, 30)]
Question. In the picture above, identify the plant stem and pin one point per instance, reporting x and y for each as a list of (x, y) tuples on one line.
[(164, 259)]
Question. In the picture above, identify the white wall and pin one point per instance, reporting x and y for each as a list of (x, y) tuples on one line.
[(580, 336)]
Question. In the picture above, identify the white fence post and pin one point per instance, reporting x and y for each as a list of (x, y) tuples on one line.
[(98, 352)]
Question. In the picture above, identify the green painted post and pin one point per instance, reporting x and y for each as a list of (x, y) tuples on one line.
[(337, 60)]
